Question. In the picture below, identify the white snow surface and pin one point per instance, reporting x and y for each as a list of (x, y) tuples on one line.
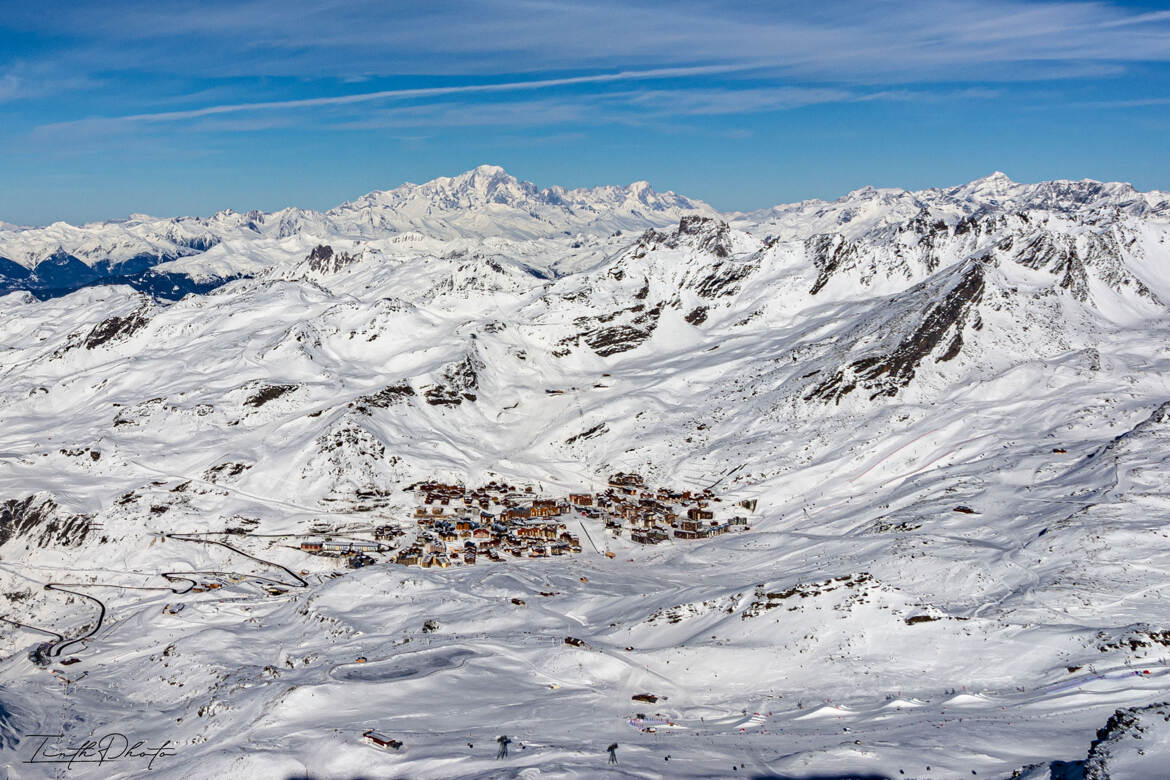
[(951, 407)]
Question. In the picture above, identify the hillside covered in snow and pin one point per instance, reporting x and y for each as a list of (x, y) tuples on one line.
[(944, 413)]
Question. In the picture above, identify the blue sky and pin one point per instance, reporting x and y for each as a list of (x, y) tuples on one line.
[(184, 108)]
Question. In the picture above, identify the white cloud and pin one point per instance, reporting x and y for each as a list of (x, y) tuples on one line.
[(630, 107), (732, 101), (860, 41), (426, 92), (721, 57), (10, 87)]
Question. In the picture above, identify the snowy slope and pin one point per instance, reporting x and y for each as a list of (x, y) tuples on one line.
[(950, 407)]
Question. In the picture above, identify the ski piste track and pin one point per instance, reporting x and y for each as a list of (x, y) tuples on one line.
[(56, 648)]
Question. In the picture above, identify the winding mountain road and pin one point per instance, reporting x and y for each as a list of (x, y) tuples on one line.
[(58, 647)]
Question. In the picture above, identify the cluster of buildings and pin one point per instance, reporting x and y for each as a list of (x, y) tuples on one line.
[(356, 552), (459, 525), (654, 515)]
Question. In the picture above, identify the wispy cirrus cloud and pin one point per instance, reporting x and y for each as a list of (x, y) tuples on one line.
[(10, 87), (263, 52), (692, 102), (529, 113), (23, 80), (448, 109), (1135, 103), (852, 40), (424, 92)]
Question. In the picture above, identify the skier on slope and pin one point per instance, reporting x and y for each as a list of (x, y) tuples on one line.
[(504, 742), (612, 749)]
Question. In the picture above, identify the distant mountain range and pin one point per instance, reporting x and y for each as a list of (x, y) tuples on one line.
[(488, 203), (483, 203)]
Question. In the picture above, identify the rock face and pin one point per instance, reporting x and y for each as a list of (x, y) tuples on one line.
[(323, 260), (457, 382), (268, 393), (384, 398), (37, 520), (116, 328), (613, 333), (937, 333), (1134, 743), (701, 233)]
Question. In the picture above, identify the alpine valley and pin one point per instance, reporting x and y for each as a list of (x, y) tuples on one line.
[(944, 414)]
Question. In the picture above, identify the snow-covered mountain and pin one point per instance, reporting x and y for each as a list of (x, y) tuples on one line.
[(949, 408), (480, 204)]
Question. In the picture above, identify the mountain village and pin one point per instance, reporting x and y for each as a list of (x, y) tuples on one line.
[(455, 525)]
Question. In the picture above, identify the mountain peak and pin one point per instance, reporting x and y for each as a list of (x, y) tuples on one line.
[(488, 169), (482, 184), (994, 181), (995, 186), (480, 174)]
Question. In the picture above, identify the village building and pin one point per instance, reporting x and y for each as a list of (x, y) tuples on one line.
[(387, 533), (360, 560), (378, 739)]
